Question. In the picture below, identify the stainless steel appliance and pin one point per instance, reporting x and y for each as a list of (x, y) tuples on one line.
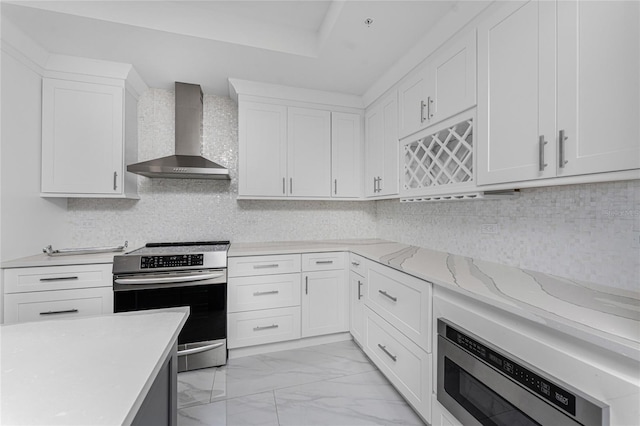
[(165, 275), (482, 385)]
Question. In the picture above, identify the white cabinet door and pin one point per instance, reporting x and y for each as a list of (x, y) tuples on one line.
[(598, 86), (346, 158), (412, 98), (262, 133), (356, 307), (82, 138), (324, 307), (309, 152), (516, 69), (381, 148)]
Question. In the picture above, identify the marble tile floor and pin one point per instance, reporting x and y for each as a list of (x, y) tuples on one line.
[(332, 385)]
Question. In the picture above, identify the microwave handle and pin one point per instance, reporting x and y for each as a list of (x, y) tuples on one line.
[(169, 279)]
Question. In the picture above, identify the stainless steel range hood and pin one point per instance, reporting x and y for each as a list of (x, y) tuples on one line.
[(187, 163)]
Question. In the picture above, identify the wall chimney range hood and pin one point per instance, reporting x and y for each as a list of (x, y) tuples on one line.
[(188, 162)]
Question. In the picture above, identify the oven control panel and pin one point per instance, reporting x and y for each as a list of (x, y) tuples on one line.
[(171, 261), (544, 388)]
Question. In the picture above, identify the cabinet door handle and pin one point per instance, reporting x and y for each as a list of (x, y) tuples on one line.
[(335, 186), (541, 144), (324, 262), (387, 295), (284, 191), (389, 354), (265, 327), (290, 185), (273, 265), (354, 263), (422, 108), (115, 180), (306, 285), (359, 287), (430, 109), (263, 293), (68, 311), (561, 139), (59, 279)]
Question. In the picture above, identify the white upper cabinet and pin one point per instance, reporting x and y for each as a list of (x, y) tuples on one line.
[(346, 155), (599, 86), (444, 86), (381, 147), (89, 132), (262, 134), (524, 110), (309, 152)]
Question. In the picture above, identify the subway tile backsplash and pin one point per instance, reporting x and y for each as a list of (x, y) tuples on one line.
[(582, 232)]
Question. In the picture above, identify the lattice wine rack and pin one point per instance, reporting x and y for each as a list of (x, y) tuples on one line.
[(443, 158)]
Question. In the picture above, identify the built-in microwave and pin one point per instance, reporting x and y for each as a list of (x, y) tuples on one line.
[(480, 384)]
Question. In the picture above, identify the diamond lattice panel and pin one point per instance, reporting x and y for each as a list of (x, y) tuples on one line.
[(442, 158)]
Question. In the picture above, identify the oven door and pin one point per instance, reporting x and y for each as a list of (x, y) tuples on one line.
[(202, 341)]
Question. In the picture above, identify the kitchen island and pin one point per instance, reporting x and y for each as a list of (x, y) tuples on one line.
[(101, 370)]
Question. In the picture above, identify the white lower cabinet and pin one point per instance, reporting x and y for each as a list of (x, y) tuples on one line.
[(264, 326), (39, 293), (440, 416), (405, 364), (357, 290), (263, 292)]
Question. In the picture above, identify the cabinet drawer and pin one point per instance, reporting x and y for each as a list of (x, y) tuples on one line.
[(406, 365), (323, 261), (260, 327), (263, 265), (37, 306), (357, 264), (19, 280), (401, 299), (263, 292)]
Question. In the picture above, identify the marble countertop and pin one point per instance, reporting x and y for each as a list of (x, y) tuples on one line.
[(92, 370), (605, 316)]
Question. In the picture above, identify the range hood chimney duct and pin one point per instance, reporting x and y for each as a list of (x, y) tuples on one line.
[(188, 162)]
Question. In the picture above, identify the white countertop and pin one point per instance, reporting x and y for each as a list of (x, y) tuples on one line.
[(40, 260), (84, 371), (602, 315)]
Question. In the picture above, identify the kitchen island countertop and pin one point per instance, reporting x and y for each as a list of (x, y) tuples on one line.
[(92, 370), (605, 316)]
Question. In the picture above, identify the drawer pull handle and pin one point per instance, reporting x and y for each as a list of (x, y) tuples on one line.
[(355, 263), (385, 294), (59, 279), (359, 287), (68, 311), (389, 354), (273, 265), (265, 327), (262, 293), (324, 262)]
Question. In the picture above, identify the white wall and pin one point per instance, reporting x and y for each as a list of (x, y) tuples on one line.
[(582, 232), (27, 222), (181, 209)]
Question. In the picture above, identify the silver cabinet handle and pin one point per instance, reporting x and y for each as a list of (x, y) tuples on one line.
[(59, 279), (541, 144), (422, 107), (430, 112), (265, 327), (561, 139), (379, 184), (389, 354), (355, 263), (290, 185), (359, 287), (115, 180), (199, 349), (335, 186), (272, 265), (324, 262), (262, 293), (68, 311), (306, 285), (384, 293), (284, 190)]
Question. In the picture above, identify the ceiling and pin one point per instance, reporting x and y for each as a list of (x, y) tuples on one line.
[(322, 45)]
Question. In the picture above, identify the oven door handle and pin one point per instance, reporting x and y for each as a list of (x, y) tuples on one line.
[(200, 349), (169, 279)]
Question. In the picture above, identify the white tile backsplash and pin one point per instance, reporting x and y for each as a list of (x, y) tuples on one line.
[(579, 231)]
